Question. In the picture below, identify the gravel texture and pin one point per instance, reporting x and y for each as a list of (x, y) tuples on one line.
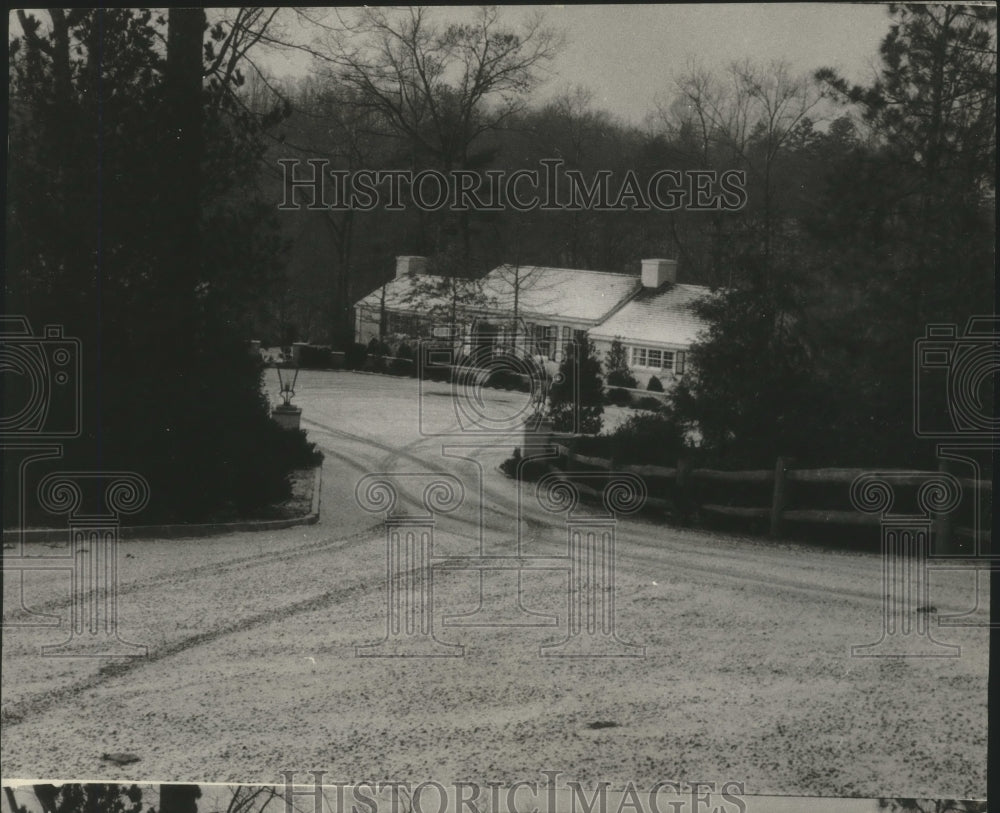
[(747, 674)]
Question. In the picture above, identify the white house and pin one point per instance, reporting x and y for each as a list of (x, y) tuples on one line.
[(649, 313), (555, 305), (656, 326)]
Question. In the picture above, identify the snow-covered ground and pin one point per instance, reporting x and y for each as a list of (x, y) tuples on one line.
[(746, 675)]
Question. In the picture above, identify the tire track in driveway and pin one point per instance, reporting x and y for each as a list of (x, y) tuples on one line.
[(394, 452), (20, 711), (654, 554), (27, 707), (223, 566), (671, 553), (216, 568), (406, 452), (675, 552), (644, 561)]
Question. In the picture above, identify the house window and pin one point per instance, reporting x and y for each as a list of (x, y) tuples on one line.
[(404, 323), (545, 339), (531, 337), (654, 359), (560, 335)]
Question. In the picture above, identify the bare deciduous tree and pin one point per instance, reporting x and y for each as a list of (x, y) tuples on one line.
[(743, 118), (441, 87)]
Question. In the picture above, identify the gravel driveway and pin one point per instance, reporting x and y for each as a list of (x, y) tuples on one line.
[(746, 677)]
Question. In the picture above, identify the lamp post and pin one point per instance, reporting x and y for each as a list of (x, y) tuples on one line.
[(286, 414)]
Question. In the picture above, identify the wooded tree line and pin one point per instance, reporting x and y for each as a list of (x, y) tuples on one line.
[(133, 223)]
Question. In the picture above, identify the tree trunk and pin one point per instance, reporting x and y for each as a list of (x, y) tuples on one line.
[(181, 182)]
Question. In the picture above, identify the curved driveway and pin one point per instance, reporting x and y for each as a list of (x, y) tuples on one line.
[(746, 674)]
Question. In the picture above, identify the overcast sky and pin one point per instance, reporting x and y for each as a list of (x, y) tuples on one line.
[(628, 54)]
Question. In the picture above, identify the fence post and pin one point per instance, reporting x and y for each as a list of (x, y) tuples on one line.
[(779, 496), (682, 501), (943, 526)]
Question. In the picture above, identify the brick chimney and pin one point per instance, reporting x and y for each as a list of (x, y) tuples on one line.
[(656, 273), (410, 265)]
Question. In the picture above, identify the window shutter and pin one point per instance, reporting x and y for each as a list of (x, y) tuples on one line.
[(679, 360)]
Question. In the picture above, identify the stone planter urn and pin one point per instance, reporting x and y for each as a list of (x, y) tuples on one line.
[(287, 416)]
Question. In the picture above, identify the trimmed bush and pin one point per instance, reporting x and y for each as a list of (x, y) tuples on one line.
[(354, 356), (622, 378), (646, 438), (650, 403), (377, 347), (405, 362), (617, 397), (592, 446), (616, 364), (526, 470), (286, 450), (507, 380), (401, 367), (654, 385), (579, 377), (378, 353), (315, 357)]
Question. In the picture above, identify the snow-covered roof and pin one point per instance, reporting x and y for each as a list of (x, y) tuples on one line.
[(570, 294), (661, 316), (421, 292)]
